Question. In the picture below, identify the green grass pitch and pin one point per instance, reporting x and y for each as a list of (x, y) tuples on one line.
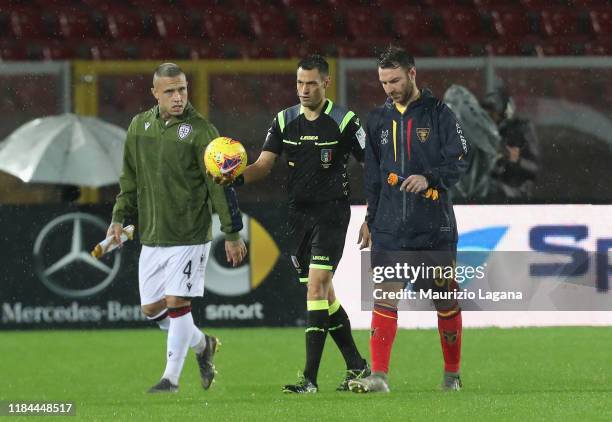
[(508, 374)]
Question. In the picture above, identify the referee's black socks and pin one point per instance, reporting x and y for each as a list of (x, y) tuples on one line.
[(340, 330), (316, 331)]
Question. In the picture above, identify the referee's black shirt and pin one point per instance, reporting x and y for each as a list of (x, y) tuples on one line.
[(317, 151)]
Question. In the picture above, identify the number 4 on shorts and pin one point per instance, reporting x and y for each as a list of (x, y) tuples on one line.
[(187, 269)]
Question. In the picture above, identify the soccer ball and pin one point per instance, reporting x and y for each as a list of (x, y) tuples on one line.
[(225, 157)]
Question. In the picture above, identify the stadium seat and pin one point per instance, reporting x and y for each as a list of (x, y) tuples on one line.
[(561, 46), (76, 24), (599, 47), (510, 22), (10, 50), (199, 50), (125, 24), (448, 49), (559, 22), (107, 51), (299, 4), (104, 6), (151, 6), (361, 48), (487, 4), (261, 50), (462, 23), (601, 21), (172, 24), (505, 47), (588, 4), (315, 24), (151, 50), (410, 24), (540, 5), (393, 6), (30, 24), (365, 22), (198, 5), (270, 23), (60, 50), (221, 24), (441, 4)]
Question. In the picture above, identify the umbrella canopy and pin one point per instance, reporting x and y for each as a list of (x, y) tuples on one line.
[(65, 149)]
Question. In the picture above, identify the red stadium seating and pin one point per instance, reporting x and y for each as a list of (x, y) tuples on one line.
[(601, 21), (542, 4), (298, 4), (29, 24), (411, 24), (104, 6), (172, 24), (461, 23), (510, 22), (260, 50), (151, 6), (125, 24), (220, 24), (119, 29), (197, 5), (13, 51), (487, 4), (447, 49), (392, 6), (588, 4), (76, 24), (361, 48), (107, 51), (59, 50), (365, 22), (203, 50), (315, 24), (559, 22), (270, 23), (561, 46), (599, 47), (505, 47), (442, 4)]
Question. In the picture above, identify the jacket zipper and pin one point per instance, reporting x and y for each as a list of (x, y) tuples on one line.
[(408, 152), (403, 166)]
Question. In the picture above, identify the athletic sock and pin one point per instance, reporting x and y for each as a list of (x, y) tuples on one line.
[(316, 331), (384, 328), (198, 340), (179, 337), (340, 331), (161, 319), (449, 328)]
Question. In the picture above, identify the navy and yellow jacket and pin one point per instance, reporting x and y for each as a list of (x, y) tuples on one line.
[(425, 139)]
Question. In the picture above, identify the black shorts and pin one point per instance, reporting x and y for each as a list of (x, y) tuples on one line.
[(437, 264), (318, 232)]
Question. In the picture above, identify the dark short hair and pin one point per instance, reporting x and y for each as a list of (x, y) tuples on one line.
[(168, 70), (394, 57), (315, 61)]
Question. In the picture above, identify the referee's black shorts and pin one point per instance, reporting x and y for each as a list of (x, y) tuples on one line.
[(318, 231)]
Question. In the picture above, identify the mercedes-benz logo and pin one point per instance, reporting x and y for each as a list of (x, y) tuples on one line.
[(51, 264)]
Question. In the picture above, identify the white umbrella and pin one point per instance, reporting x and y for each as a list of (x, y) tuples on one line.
[(65, 149)]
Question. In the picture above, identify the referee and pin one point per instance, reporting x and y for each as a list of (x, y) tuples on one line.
[(317, 138)]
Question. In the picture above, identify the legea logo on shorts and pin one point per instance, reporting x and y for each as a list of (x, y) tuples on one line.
[(63, 263), (263, 253)]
